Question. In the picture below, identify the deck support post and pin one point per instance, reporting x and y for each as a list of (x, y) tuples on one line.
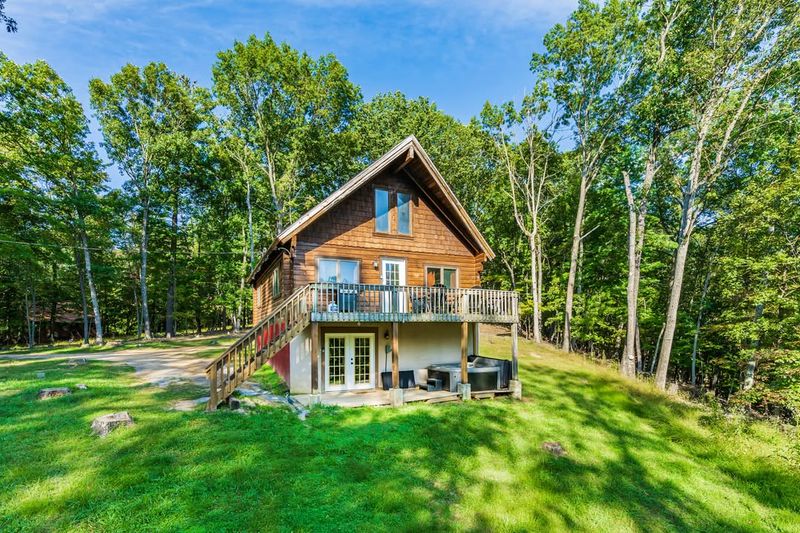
[(514, 349), (213, 399), (315, 358), (515, 384), (464, 387), (395, 356)]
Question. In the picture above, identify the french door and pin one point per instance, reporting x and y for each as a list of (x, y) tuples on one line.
[(393, 273), (349, 361)]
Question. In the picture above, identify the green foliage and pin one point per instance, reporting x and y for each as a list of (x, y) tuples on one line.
[(285, 120)]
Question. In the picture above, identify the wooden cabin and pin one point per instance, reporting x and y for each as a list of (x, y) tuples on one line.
[(378, 289)]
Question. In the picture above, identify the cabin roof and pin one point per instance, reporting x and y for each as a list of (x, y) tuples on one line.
[(408, 154)]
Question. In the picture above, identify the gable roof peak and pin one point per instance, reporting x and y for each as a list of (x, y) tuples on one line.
[(409, 149)]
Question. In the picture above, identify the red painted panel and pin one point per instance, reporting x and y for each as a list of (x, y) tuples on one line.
[(280, 362)]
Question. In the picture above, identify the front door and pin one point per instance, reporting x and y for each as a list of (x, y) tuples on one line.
[(393, 273), (349, 361)]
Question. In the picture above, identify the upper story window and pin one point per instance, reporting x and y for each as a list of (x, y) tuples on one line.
[(441, 276), (382, 210), (337, 271), (385, 200), (404, 213), (276, 283)]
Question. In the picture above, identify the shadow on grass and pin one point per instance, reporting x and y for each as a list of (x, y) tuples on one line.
[(636, 461)]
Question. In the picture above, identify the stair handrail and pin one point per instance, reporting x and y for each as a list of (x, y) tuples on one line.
[(253, 333)]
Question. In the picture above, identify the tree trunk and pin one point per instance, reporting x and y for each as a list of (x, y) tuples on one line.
[(655, 351), (240, 299), (53, 306), (750, 370), (173, 252), (84, 305), (30, 315), (539, 273), (628, 366), (143, 271), (537, 327), (250, 227), (566, 344), (697, 326), (87, 261), (675, 294)]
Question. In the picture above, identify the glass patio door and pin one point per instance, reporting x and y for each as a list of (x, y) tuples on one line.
[(393, 273), (349, 361)]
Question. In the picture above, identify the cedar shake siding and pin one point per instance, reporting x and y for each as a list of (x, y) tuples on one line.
[(348, 232)]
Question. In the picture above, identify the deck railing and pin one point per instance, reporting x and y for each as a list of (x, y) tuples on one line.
[(334, 302), (257, 346), (350, 302)]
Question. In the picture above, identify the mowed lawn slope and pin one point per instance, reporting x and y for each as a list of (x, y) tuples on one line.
[(636, 460)]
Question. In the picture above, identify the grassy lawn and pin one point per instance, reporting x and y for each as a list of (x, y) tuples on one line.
[(636, 461)]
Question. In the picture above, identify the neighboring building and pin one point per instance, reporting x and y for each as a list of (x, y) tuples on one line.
[(377, 284)]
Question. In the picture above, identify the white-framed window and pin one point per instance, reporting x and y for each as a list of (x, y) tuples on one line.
[(382, 209), (437, 275), (276, 283), (400, 202), (337, 270), (403, 213)]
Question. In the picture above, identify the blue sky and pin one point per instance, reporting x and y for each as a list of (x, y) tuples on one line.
[(459, 53)]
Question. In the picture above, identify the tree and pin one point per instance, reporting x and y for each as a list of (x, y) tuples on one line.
[(285, 118), (183, 156), (582, 64), (740, 52), (10, 23), (529, 165), (459, 150), (650, 90), (52, 140), (146, 115)]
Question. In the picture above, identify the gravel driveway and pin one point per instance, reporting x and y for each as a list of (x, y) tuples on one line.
[(152, 365)]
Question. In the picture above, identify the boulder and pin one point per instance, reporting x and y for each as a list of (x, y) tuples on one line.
[(554, 448), (54, 393), (103, 425)]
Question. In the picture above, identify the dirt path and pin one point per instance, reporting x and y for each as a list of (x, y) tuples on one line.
[(152, 365)]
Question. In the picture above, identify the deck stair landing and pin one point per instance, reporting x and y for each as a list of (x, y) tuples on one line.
[(243, 358)]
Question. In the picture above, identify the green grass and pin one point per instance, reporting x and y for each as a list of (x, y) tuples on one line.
[(637, 460)]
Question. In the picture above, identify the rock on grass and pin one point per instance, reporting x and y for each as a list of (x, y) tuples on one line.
[(103, 425), (54, 393), (554, 448)]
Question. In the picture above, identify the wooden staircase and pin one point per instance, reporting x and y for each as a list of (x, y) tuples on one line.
[(242, 359)]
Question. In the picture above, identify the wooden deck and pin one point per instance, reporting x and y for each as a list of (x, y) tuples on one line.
[(377, 398), (353, 302), (317, 303)]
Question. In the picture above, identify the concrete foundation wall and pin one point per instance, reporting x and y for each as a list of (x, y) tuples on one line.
[(423, 344), (300, 362)]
